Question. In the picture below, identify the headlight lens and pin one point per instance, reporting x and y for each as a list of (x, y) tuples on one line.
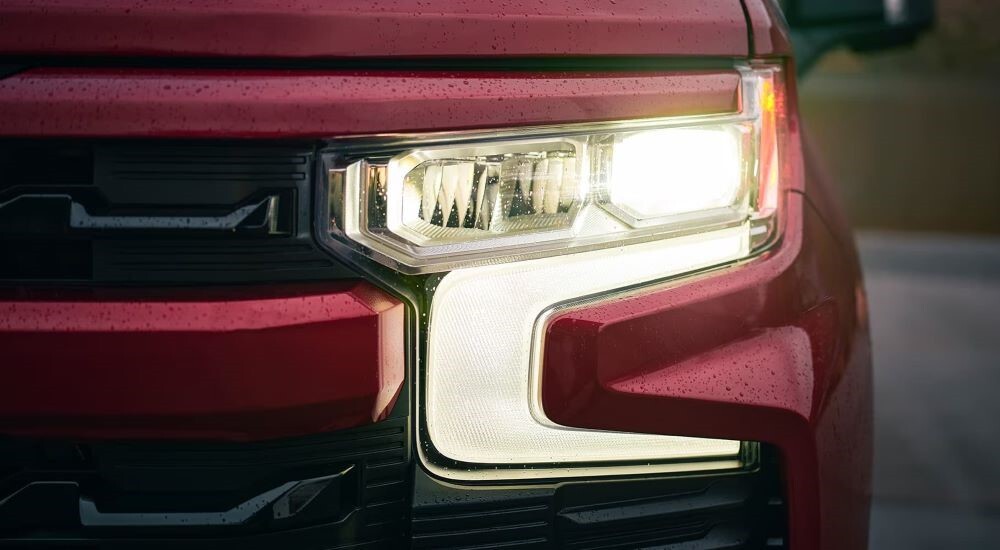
[(437, 203)]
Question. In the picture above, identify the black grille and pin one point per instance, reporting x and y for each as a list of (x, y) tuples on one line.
[(193, 261), (740, 510), (164, 175), (46, 164), (517, 522), (382, 501), (370, 506), (158, 212)]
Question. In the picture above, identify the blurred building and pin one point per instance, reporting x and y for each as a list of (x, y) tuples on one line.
[(913, 135)]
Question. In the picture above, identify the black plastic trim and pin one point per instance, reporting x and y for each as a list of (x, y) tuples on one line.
[(736, 510)]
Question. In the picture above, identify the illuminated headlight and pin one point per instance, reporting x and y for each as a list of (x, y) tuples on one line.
[(522, 222)]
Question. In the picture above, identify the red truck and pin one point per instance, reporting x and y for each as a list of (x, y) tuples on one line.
[(359, 274)]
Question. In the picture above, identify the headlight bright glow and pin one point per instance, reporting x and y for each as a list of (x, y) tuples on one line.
[(521, 222), (660, 173)]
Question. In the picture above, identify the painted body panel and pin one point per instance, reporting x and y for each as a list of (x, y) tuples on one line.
[(116, 103), (234, 365), (366, 28)]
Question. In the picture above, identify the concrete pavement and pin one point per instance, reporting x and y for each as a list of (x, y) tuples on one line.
[(935, 306)]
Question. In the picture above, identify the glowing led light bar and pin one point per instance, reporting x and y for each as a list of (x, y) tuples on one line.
[(478, 403)]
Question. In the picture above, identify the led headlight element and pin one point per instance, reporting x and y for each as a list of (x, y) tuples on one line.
[(465, 199), (659, 174)]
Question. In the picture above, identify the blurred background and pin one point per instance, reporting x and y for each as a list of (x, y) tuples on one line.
[(911, 135)]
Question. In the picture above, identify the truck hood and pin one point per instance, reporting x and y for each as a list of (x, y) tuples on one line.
[(370, 28)]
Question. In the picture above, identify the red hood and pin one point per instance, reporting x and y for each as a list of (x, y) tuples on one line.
[(370, 28)]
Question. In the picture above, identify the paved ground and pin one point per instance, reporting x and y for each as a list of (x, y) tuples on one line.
[(935, 303)]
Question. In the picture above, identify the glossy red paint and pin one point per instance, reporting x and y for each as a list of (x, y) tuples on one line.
[(133, 103), (365, 28), (776, 350), (237, 364)]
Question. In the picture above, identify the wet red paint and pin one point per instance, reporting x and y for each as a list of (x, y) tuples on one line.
[(300, 104), (234, 364), (364, 28), (773, 351)]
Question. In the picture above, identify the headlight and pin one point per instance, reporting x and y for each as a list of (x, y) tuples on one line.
[(437, 202), (527, 220)]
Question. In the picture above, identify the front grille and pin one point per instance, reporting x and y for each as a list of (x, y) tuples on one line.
[(232, 260), (103, 211), (520, 521), (712, 513), (739, 510), (381, 502), (42, 485)]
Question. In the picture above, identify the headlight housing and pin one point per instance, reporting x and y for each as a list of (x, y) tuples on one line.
[(524, 222), (438, 202)]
